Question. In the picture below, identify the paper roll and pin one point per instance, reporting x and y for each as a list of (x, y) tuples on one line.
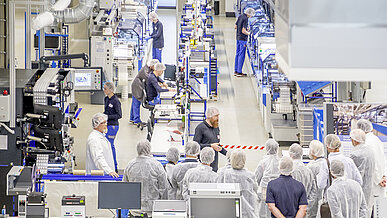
[(97, 172), (79, 172)]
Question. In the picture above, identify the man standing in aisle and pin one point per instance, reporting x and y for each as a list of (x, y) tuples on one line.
[(242, 34), (207, 134), (157, 36)]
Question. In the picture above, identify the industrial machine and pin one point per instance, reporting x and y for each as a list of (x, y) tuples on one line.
[(73, 206), (204, 197), (169, 209)]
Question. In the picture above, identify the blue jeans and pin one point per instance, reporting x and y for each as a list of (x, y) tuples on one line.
[(156, 53), (135, 110), (240, 55), (111, 136), (155, 101)]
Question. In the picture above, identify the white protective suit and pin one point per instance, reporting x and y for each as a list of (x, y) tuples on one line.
[(267, 170), (346, 199), (249, 188), (221, 170), (315, 167), (99, 155), (351, 171), (178, 176), (305, 175), (200, 174), (364, 159), (151, 174), (377, 147)]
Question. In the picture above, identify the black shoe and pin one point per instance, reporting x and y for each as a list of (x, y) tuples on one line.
[(243, 75)]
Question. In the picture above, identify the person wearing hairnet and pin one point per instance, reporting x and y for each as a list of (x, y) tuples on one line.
[(316, 154), (153, 87), (242, 33), (201, 174), (247, 183), (303, 174), (192, 150), (145, 169), (333, 144), (227, 166), (99, 155), (266, 171), (172, 156), (286, 197), (114, 113), (207, 134), (138, 87), (364, 159), (345, 196), (157, 36), (374, 143)]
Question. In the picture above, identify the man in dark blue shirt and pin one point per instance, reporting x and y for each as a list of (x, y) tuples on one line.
[(114, 113), (153, 82), (241, 36), (207, 134), (285, 196), (157, 36)]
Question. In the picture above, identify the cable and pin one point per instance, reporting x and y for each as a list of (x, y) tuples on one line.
[(114, 215), (7, 128)]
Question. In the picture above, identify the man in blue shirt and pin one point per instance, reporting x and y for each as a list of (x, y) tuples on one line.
[(157, 36), (285, 196), (242, 34), (114, 113), (155, 85)]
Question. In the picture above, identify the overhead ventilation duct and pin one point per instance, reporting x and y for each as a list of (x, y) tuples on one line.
[(60, 13)]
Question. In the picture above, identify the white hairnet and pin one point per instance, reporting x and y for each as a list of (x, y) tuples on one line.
[(286, 166), (153, 62), (365, 125), (160, 67), (295, 151), (316, 148), (173, 154), (212, 111), (337, 168), (332, 141), (250, 12), (271, 146), (143, 147), (207, 155), (238, 159), (358, 135), (153, 16), (228, 156), (110, 86), (97, 119), (192, 148)]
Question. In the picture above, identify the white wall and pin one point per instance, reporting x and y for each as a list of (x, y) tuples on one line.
[(230, 5), (377, 93)]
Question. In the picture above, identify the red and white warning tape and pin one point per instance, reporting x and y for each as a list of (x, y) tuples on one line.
[(246, 147)]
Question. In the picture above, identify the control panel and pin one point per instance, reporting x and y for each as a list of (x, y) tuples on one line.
[(88, 79)]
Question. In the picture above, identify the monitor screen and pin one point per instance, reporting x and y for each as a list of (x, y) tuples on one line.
[(83, 79), (119, 195)]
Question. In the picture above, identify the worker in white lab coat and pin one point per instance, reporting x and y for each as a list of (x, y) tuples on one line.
[(99, 154)]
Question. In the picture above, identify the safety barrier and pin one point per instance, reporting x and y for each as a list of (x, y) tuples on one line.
[(245, 147)]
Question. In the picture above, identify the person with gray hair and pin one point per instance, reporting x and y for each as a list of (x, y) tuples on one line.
[(201, 174), (286, 197), (192, 150), (316, 154), (246, 180), (242, 33), (153, 87), (157, 36), (266, 171), (150, 173), (376, 145), (304, 175), (138, 87), (364, 159), (345, 196), (333, 144), (114, 113), (99, 155), (207, 134)]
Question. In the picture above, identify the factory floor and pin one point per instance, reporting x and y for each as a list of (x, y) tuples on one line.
[(240, 120)]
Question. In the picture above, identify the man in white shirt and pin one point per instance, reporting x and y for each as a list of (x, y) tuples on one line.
[(99, 154)]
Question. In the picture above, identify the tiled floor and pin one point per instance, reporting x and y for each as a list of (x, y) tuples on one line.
[(240, 121)]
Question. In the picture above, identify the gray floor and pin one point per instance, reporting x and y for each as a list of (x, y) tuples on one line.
[(240, 121)]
